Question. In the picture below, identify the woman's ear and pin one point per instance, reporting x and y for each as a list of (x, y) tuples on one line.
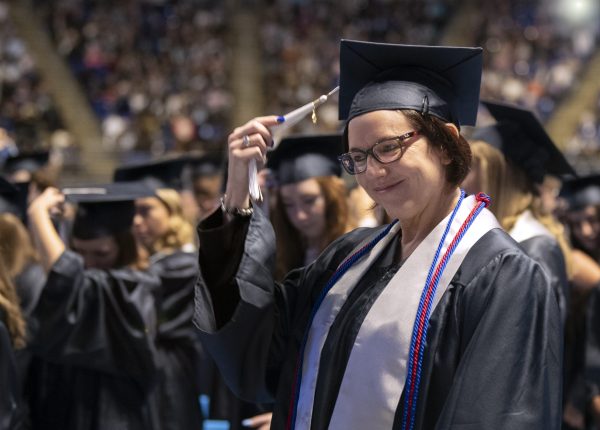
[(446, 160), (453, 128)]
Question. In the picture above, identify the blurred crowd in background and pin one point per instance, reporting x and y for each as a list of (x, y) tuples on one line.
[(157, 76), (157, 72)]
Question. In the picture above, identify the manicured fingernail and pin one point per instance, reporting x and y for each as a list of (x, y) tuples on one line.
[(272, 143), (247, 422), (280, 119)]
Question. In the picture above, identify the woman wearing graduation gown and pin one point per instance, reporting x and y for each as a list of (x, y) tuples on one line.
[(12, 337), (582, 340), (96, 317), (311, 209), (159, 225), (336, 344), (28, 276), (511, 159)]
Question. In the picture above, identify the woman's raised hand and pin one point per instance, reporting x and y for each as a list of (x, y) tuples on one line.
[(247, 142)]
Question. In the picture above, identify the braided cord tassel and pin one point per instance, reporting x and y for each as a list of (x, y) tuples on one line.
[(413, 378)]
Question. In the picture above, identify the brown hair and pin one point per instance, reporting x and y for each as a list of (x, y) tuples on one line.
[(129, 255), (16, 248), (9, 302), (440, 136), (513, 193), (290, 245), (180, 231)]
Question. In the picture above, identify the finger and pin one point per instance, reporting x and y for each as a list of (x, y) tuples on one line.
[(253, 152), (258, 125), (249, 140), (258, 420)]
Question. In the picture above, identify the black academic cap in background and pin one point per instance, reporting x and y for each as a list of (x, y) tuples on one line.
[(582, 192), (522, 138), (443, 81), (161, 173), (205, 165), (30, 162), (13, 198), (5, 186), (297, 158), (105, 209)]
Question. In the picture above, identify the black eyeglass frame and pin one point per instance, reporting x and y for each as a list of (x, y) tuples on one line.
[(347, 156)]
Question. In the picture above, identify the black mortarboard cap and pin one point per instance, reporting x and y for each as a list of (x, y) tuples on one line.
[(30, 162), (5, 186), (442, 81), (13, 198), (297, 158), (105, 209), (162, 173), (523, 139), (582, 192), (205, 165)]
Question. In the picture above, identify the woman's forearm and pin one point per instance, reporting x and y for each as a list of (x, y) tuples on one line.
[(47, 241)]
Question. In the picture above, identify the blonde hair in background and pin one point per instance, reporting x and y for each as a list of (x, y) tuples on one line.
[(9, 302), (490, 165), (513, 193), (16, 248), (181, 231)]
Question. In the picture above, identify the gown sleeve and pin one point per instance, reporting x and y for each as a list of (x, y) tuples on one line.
[(509, 369), (246, 320), (592, 346), (546, 251), (100, 320)]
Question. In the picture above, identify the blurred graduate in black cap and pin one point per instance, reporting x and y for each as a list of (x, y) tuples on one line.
[(583, 213), (12, 337), (311, 207), (160, 227), (510, 161), (206, 181), (19, 168), (420, 324), (96, 315), (32, 172), (582, 397)]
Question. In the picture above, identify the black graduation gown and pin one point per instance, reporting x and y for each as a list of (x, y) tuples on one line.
[(493, 358), (546, 251), (29, 285), (591, 373), (186, 369), (10, 397), (177, 344), (96, 339)]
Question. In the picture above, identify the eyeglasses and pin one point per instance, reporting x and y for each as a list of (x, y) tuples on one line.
[(385, 151)]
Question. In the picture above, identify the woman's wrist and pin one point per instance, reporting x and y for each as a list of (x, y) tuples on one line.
[(243, 209), (236, 199)]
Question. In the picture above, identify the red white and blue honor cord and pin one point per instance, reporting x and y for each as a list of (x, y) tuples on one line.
[(417, 346)]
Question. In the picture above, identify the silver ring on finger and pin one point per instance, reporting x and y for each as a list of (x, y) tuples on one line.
[(245, 141)]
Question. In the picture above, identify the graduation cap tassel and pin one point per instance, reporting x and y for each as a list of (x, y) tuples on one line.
[(289, 120), (425, 105)]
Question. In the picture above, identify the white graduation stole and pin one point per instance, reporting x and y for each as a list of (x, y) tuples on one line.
[(527, 226), (376, 371)]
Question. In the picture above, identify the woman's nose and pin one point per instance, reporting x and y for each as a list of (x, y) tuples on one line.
[(374, 167)]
